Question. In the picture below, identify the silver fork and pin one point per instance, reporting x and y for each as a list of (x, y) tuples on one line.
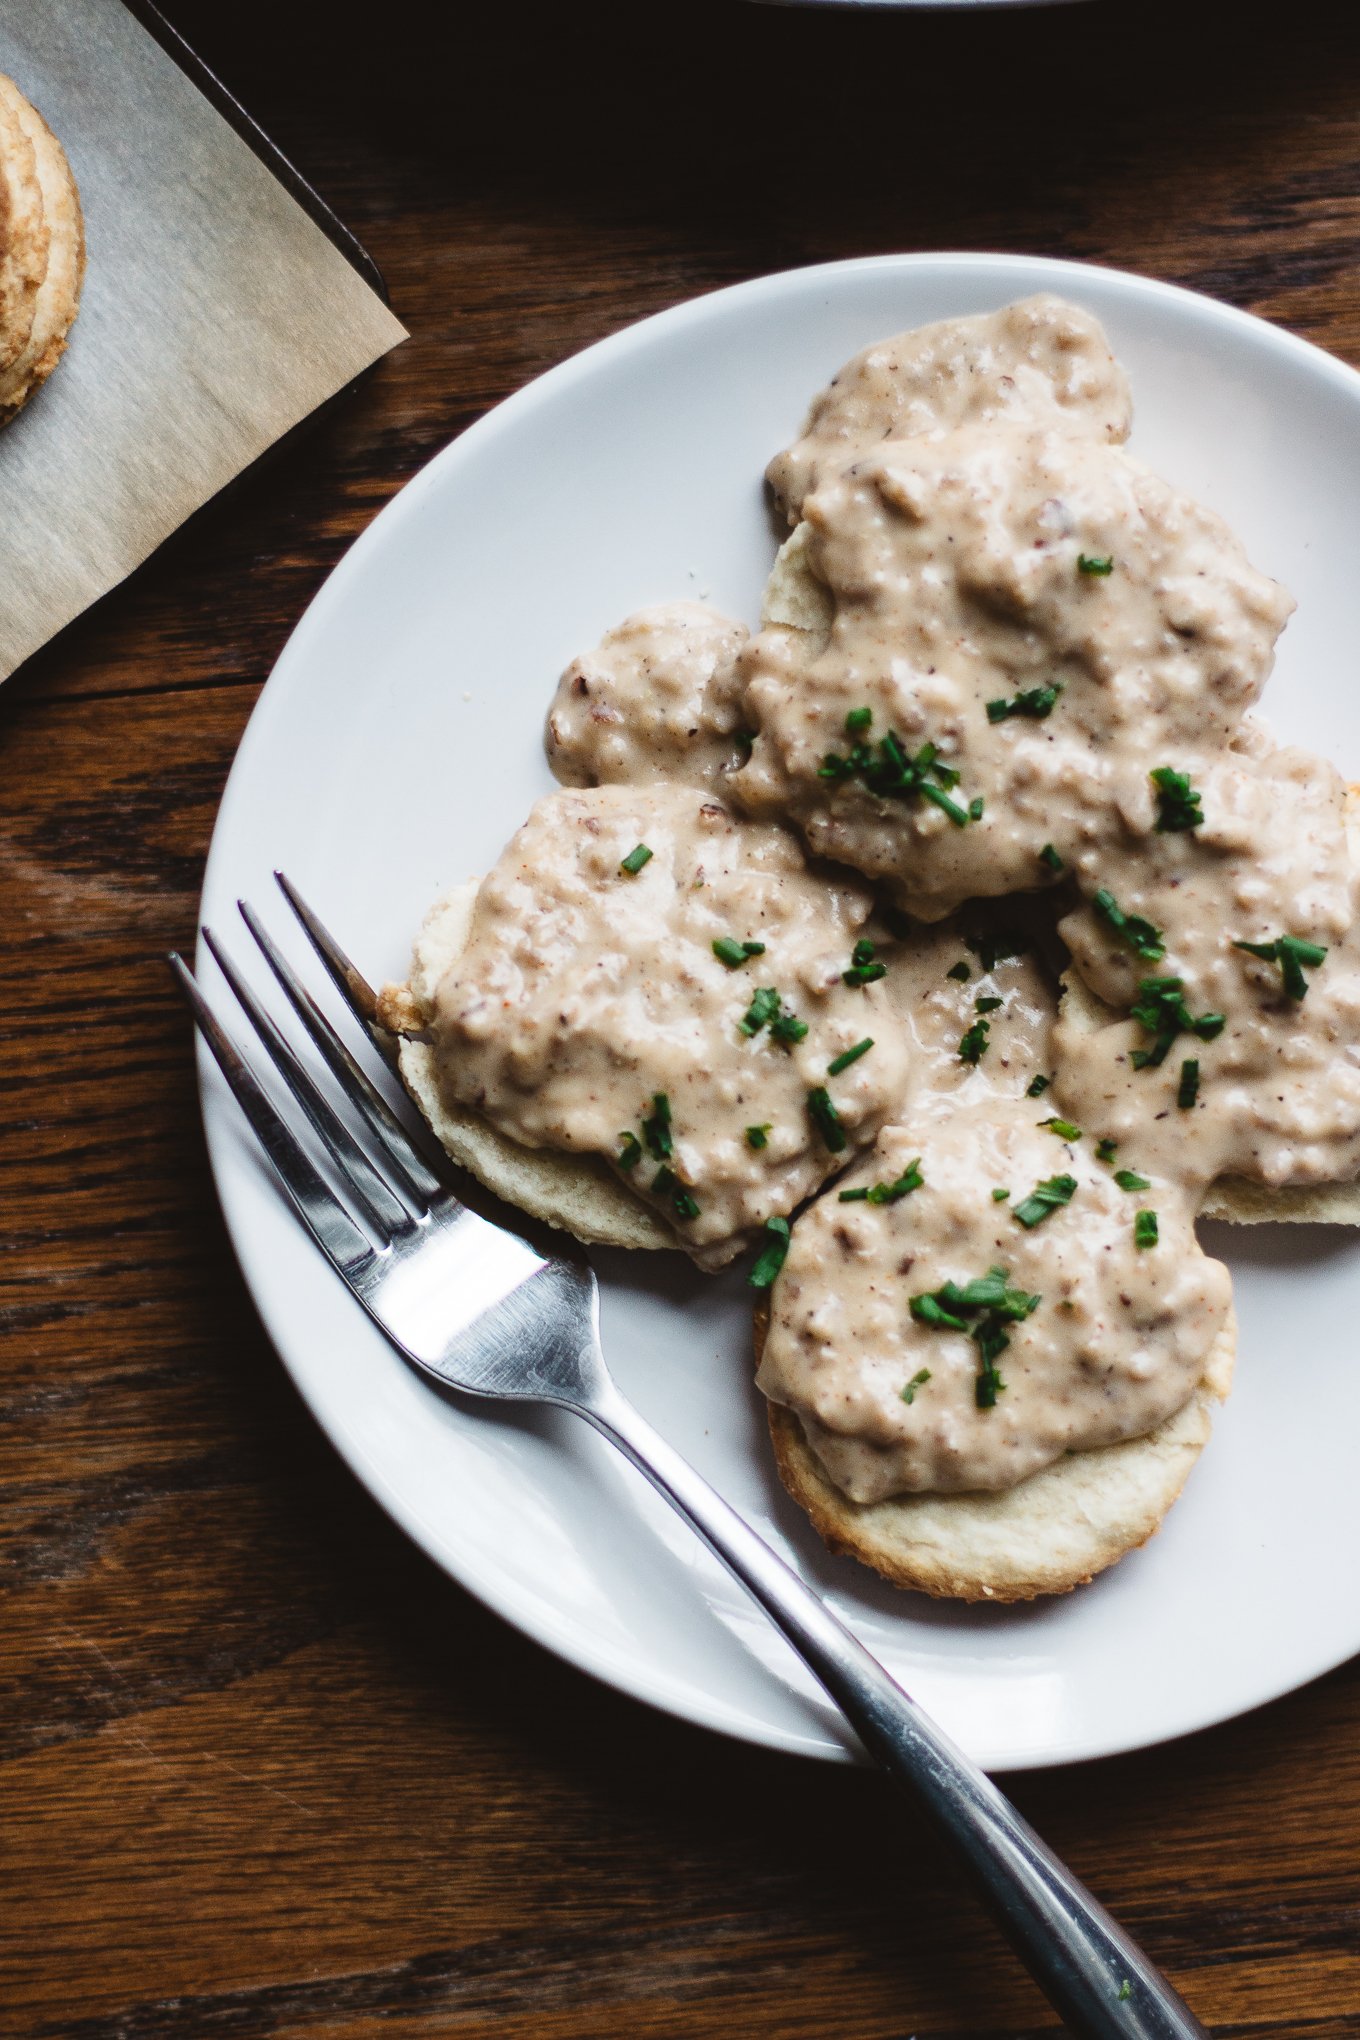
[(482, 1311)]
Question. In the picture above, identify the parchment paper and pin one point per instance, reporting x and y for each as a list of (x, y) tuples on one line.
[(215, 315)]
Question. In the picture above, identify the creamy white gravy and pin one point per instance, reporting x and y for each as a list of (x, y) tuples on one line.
[(586, 991), (975, 536), (955, 567), (1115, 1342), (1040, 361), (658, 698)]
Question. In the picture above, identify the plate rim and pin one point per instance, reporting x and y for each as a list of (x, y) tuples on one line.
[(575, 1645)]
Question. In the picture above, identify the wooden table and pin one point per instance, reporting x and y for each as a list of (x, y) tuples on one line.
[(263, 1770)]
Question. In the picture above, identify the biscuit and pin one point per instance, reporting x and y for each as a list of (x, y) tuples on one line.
[(58, 294), (1048, 1534), (24, 234)]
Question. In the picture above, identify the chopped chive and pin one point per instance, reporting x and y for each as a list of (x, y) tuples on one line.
[(849, 1055), (1145, 940), (1145, 1229), (990, 950), (982, 1308), (887, 1193), (863, 970), (772, 1258), (786, 1028), (1049, 856), (918, 1380), (890, 772), (974, 1044), (1105, 1150), (988, 1005), (1063, 1128), (1291, 952), (1043, 1200), (1129, 1179), (656, 1130), (666, 1183), (999, 1195), (758, 1136), (902, 1186), (1188, 1089), (975, 808), (632, 1151), (734, 954), (763, 1007), (1037, 1086), (635, 860), (826, 1118), (1162, 1010), (1035, 702), (960, 971), (1178, 802), (1092, 563)]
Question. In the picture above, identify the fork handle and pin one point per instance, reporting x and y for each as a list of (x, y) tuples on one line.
[(1098, 1979)]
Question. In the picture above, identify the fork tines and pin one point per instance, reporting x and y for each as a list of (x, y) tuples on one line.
[(391, 1189)]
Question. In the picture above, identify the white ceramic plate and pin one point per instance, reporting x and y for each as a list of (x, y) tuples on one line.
[(396, 747)]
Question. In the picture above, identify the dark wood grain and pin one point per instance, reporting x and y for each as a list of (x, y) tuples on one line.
[(263, 1771)]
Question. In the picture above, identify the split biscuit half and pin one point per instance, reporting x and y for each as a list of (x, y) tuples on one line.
[(46, 257)]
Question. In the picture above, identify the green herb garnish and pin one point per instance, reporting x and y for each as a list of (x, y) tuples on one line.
[(786, 1028), (1164, 1013), (734, 954), (1092, 563), (773, 1254), (1049, 856), (1037, 1086), (1178, 802), (975, 808), (988, 1005), (758, 1136), (1035, 702), (665, 1183), (1043, 1200), (656, 1130), (1188, 1089), (1063, 1128), (1145, 1229), (1106, 1150), (887, 770), (863, 970), (858, 721), (826, 1118), (974, 1044), (981, 1308), (849, 1055), (635, 860), (990, 950), (632, 1151), (918, 1380), (763, 1007), (1145, 940), (999, 1195), (1129, 1179), (960, 971), (1291, 953)]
